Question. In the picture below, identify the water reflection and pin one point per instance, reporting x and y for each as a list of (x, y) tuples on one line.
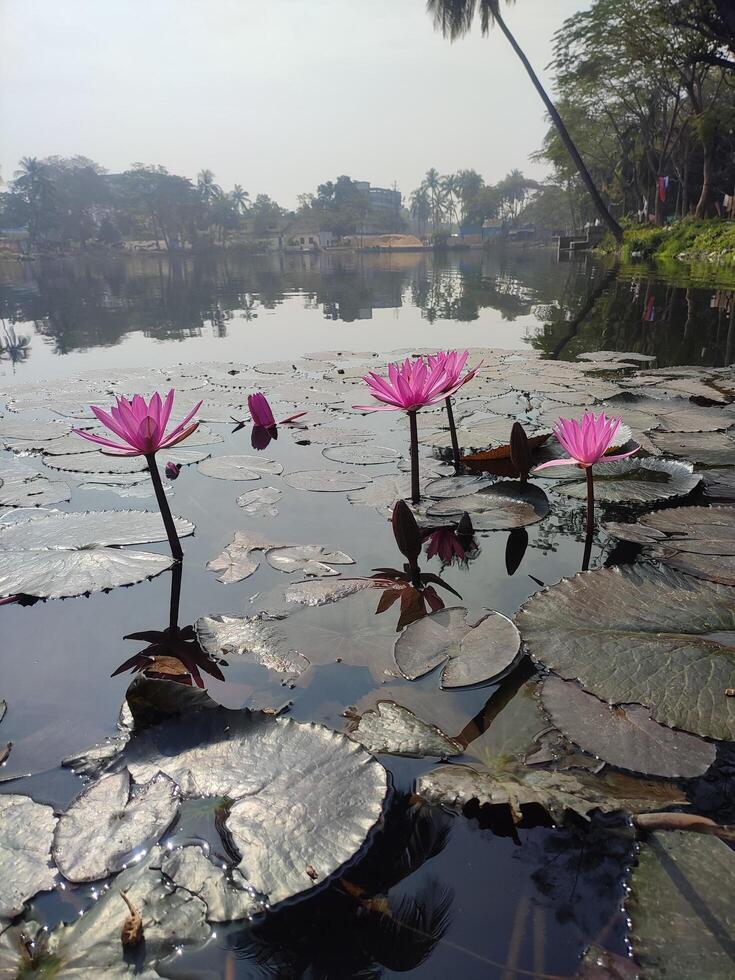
[(88, 301), (173, 653)]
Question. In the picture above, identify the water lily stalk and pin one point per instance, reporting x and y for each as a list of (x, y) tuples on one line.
[(173, 609), (415, 490), (590, 526), (168, 521), (453, 436)]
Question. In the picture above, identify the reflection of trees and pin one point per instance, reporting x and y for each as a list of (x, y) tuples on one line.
[(372, 919), (13, 347)]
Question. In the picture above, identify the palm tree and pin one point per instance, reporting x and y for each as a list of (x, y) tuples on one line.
[(451, 189), (420, 208), (432, 184), (239, 198), (33, 180), (209, 191), (454, 19)]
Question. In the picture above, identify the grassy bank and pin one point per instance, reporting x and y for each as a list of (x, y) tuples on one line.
[(692, 241)]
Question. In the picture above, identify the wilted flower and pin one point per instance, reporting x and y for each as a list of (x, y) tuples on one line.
[(141, 426), (588, 441)]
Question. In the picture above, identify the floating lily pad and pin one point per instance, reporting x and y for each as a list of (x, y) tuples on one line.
[(472, 653), (227, 896), (254, 637), (235, 563), (61, 574), (22, 486), (710, 448), (309, 559), (260, 501), (641, 634), (392, 729), (319, 593), (516, 786), (680, 907), (26, 831), (361, 455), (635, 481), (326, 481), (86, 462), (306, 798), (34, 434), (382, 493), (502, 507), (109, 822), (456, 486), (719, 484), (92, 529), (239, 467), (90, 946), (624, 735)]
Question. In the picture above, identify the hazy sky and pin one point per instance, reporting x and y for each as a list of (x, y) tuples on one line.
[(278, 95)]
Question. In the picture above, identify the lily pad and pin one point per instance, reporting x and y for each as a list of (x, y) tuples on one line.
[(109, 822), (710, 448), (235, 563), (502, 507), (697, 540), (326, 481), (306, 798), (472, 653), (260, 501), (642, 634), (382, 493), (22, 486), (227, 896), (309, 559), (456, 486), (90, 946), (92, 529), (86, 462), (361, 455), (239, 467), (680, 907), (624, 735), (516, 786), (719, 484), (26, 831), (635, 481), (392, 729), (319, 593), (53, 574), (254, 637)]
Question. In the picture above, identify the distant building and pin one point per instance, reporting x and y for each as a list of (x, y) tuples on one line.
[(303, 234), (384, 209), (492, 230)]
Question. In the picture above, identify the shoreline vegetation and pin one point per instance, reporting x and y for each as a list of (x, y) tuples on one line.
[(709, 240)]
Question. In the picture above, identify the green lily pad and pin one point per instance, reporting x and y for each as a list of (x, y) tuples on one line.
[(392, 729), (91, 529), (635, 481), (26, 831), (680, 907), (501, 507), (642, 634)]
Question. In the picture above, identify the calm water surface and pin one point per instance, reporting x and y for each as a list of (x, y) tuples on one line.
[(479, 896)]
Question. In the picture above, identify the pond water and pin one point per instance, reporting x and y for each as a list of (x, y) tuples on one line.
[(433, 891)]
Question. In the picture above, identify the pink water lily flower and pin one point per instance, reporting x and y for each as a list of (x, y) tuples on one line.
[(453, 362), (141, 426), (414, 384), (262, 414), (588, 441)]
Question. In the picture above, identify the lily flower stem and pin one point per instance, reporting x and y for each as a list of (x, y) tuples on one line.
[(415, 492), (453, 435), (168, 521), (590, 501), (173, 615), (415, 575)]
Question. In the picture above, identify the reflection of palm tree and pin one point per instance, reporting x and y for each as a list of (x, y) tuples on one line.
[(14, 348), (454, 18), (239, 198)]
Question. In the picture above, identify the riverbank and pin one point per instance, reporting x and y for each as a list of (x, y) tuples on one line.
[(712, 240)]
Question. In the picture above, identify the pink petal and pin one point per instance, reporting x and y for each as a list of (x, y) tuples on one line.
[(99, 440), (611, 459), (110, 423), (175, 431), (556, 462), (166, 410), (171, 441)]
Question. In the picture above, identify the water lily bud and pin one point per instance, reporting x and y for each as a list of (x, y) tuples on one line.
[(172, 470), (406, 531), (520, 451)]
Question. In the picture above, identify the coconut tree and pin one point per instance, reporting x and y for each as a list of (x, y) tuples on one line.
[(451, 189), (239, 198), (209, 189), (454, 18), (32, 180), (432, 183), (420, 208)]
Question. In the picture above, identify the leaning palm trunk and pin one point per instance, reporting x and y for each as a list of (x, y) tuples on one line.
[(454, 17)]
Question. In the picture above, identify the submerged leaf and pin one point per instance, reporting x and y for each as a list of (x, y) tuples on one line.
[(637, 633)]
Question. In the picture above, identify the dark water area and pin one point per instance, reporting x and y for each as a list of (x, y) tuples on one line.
[(449, 893)]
